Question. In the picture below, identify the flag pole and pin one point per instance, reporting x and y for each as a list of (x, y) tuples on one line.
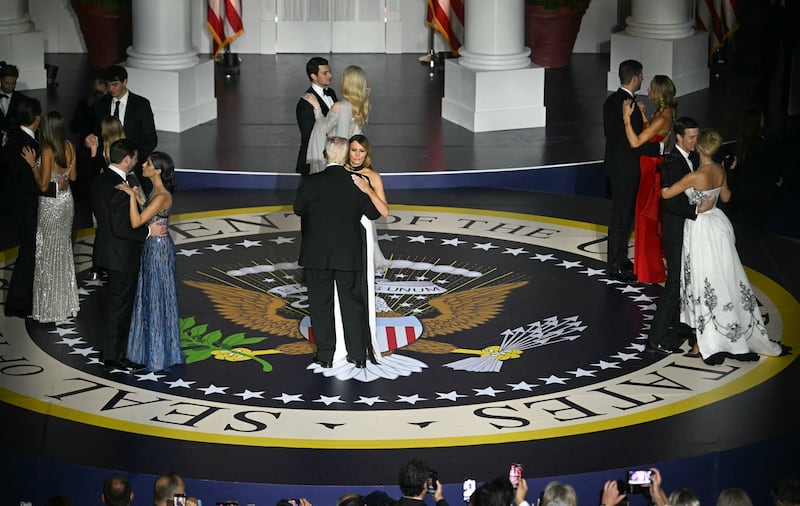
[(230, 61), (429, 58)]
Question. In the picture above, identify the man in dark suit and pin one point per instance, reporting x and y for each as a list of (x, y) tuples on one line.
[(118, 247), (333, 249), (622, 168), (9, 99), (319, 72), (667, 332), (133, 111), (24, 195)]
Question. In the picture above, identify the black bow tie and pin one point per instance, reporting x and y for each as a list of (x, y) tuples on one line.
[(3, 95), (328, 91)]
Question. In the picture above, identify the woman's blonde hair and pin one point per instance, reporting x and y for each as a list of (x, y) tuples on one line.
[(734, 497), (664, 93), (708, 142), (557, 493), (354, 89), (110, 130)]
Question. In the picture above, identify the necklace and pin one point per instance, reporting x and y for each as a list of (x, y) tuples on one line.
[(706, 163)]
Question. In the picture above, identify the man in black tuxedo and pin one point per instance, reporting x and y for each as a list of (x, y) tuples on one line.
[(333, 248), (132, 110), (319, 72), (9, 99), (622, 168), (667, 332), (24, 195), (118, 248)]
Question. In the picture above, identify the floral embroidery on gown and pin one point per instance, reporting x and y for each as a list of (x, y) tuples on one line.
[(716, 297), (648, 260), (55, 289), (154, 338)]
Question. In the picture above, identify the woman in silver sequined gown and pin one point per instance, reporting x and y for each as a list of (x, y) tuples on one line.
[(154, 337), (55, 290)]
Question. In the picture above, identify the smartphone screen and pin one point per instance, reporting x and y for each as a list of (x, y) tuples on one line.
[(642, 477), (469, 488), (433, 478), (514, 474)]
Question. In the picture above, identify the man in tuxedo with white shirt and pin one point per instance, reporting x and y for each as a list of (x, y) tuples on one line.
[(10, 99), (319, 72)]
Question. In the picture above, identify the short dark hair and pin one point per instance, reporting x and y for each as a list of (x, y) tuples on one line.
[(115, 73), (629, 69), (27, 110), (787, 490), (117, 490), (165, 486), (312, 67), (413, 477), (682, 123), (8, 70), (498, 492), (121, 148)]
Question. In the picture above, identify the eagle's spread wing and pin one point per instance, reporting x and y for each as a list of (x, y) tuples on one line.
[(466, 309), (248, 308)]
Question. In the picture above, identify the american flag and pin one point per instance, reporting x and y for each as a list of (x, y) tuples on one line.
[(224, 26), (447, 17), (718, 18)]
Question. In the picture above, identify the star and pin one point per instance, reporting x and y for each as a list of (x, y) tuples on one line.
[(450, 396), (419, 238), (179, 383), (568, 265), (442, 281), (387, 237), (485, 246), (213, 389), (455, 241), (411, 399), (95, 360), (287, 398), (593, 272), (94, 282), (515, 251), (578, 373), (269, 280), (84, 291), (641, 336), (647, 317), (368, 400), (188, 252), (649, 307), (329, 400), (490, 391), (610, 281), (83, 351), (249, 244), (283, 240), (626, 356), (63, 332), (421, 297), (417, 310), (401, 276), (629, 289), (150, 376), (606, 365), (247, 394), (219, 247), (421, 278), (522, 385), (543, 258), (637, 347), (643, 298), (553, 379), (71, 341), (405, 304)]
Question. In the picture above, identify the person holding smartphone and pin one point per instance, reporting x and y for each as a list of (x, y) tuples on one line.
[(415, 480)]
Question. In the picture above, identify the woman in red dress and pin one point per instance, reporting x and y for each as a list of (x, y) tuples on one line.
[(648, 261)]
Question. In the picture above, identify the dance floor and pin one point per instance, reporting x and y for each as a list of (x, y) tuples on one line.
[(504, 341)]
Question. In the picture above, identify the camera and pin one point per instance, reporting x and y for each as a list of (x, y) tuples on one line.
[(179, 500), (514, 474), (469, 488), (433, 479)]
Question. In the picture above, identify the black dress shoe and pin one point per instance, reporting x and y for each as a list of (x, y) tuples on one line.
[(133, 366), (622, 275), (322, 363), (715, 359), (110, 365), (360, 364), (661, 349)]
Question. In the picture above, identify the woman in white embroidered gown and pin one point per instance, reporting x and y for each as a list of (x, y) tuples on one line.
[(345, 118), (716, 297)]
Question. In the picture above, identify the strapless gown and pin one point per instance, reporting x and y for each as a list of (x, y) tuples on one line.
[(648, 260)]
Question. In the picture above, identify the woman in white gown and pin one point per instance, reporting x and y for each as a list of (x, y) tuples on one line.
[(716, 297), (345, 119)]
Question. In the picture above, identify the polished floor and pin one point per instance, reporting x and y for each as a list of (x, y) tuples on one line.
[(582, 409)]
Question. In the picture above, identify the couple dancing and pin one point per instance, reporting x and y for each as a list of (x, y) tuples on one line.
[(706, 285)]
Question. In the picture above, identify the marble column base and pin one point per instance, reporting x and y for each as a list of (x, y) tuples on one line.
[(684, 60), (180, 98), (485, 101), (26, 51)]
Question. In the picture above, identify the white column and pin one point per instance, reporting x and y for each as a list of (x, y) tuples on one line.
[(21, 44), (661, 35), (164, 67), (493, 85)]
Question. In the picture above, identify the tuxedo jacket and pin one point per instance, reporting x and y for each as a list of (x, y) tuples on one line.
[(305, 122), (330, 206), (677, 209), (138, 122), (621, 160), (117, 245), (8, 121), (23, 188)]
